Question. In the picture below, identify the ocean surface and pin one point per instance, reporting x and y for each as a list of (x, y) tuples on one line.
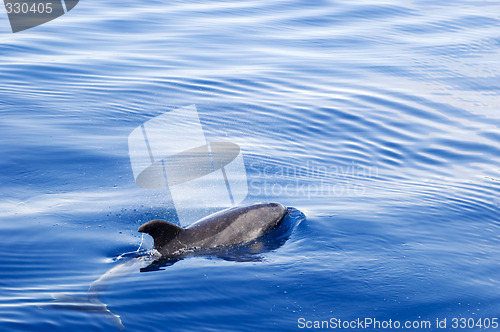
[(376, 122)]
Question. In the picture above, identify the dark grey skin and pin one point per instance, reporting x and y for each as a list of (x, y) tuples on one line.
[(231, 227)]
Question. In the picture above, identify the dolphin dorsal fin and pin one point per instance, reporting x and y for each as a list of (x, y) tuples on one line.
[(161, 231)]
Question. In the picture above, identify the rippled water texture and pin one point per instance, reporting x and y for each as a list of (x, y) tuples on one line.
[(378, 120)]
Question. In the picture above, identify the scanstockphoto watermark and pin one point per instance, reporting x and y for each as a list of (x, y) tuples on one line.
[(363, 323), (171, 152), (372, 323), (310, 180)]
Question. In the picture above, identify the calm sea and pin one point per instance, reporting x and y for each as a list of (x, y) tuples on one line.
[(378, 121)]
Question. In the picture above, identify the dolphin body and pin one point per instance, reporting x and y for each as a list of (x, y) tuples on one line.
[(227, 228)]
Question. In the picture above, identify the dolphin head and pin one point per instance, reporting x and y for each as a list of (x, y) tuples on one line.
[(274, 211)]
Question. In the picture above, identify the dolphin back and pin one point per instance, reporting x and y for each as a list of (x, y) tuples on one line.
[(234, 226), (230, 227)]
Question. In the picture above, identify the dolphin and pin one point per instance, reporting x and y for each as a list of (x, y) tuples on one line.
[(224, 229)]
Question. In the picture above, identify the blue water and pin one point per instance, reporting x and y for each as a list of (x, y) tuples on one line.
[(379, 121)]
